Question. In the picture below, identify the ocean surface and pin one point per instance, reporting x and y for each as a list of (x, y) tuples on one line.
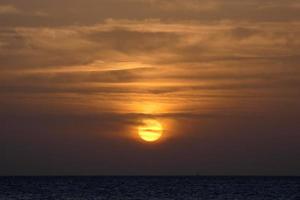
[(150, 188)]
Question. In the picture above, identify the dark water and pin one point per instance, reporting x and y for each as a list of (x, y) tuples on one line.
[(152, 188)]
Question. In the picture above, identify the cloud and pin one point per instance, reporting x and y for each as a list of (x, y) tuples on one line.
[(188, 5), (92, 12), (8, 9), (119, 65), (148, 41), (150, 57)]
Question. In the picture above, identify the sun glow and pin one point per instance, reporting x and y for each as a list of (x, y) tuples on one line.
[(150, 131)]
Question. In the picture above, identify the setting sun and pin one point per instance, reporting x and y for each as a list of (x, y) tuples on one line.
[(150, 131)]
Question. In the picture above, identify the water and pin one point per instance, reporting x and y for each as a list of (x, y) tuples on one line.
[(150, 188)]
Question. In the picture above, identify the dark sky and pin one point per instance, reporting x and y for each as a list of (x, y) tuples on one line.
[(79, 77)]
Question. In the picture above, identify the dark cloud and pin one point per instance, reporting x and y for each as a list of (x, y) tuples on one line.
[(48, 13), (130, 42), (243, 33)]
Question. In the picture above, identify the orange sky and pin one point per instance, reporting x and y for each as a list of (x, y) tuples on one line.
[(222, 76)]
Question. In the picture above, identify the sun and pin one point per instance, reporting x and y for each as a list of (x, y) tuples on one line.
[(151, 130)]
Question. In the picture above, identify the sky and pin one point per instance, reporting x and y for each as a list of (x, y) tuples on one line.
[(79, 77)]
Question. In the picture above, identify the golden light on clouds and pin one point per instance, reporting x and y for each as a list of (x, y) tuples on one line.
[(150, 131)]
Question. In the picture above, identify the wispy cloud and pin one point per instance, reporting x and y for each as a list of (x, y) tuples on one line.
[(9, 9)]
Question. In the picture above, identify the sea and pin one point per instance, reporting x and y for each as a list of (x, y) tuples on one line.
[(150, 188)]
